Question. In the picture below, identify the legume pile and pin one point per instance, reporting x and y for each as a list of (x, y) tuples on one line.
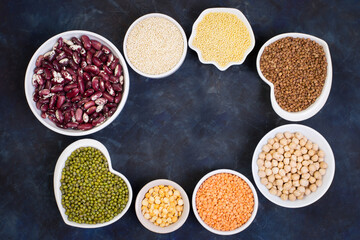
[(222, 38), (291, 166), (224, 201), (155, 45), (297, 67), (90, 192), (162, 205)]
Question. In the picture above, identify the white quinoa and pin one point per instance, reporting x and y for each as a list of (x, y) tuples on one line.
[(155, 45)]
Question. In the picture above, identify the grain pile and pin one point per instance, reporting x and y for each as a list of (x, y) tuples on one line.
[(155, 45)]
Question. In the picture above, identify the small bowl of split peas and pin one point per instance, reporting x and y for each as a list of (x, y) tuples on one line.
[(225, 202), (162, 206)]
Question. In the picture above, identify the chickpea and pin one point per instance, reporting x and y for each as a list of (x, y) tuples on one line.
[(297, 193), (305, 176), (268, 156), (315, 158), (283, 142), (277, 176), (276, 145), (260, 162), (264, 181), (308, 145), (296, 183), (287, 186), (306, 157), (288, 134), (273, 191), (293, 158), (267, 164), (298, 135), (292, 145), (317, 165), (307, 191), (285, 179), (318, 182), (278, 193), (292, 164), (315, 147), (274, 163), (281, 158), (292, 197), (294, 170), (313, 187), (271, 141), (303, 150), (297, 153), (286, 161), (298, 166), (268, 172), (279, 182), (284, 196), (275, 170), (312, 180), (323, 165), (285, 192), (301, 189), (262, 155), (322, 171), (262, 168), (321, 153), (271, 178), (287, 168), (305, 163), (279, 136), (300, 197), (295, 176), (266, 148), (304, 182), (295, 140), (292, 189), (261, 174), (302, 142), (304, 170), (282, 172), (311, 152), (280, 150), (286, 148), (300, 159), (312, 168), (281, 165)]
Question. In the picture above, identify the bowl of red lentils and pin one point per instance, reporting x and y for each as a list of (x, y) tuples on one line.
[(155, 45), (222, 37), (298, 69), (293, 166), (162, 206), (225, 202)]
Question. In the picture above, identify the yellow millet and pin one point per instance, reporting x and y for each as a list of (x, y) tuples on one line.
[(222, 37)]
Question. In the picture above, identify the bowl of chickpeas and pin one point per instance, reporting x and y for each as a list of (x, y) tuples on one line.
[(162, 206), (293, 166)]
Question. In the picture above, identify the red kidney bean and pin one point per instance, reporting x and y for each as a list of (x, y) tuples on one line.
[(72, 125), (47, 74), (67, 116), (70, 86), (91, 110), (44, 92), (44, 100), (108, 97), (72, 93), (38, 105), (96, 96), (99, 108), (66, 105), (85, 117), (107, 70), (105, 110), (45, 107), (43, 115), (67, 50), (105, 49), (103, 75), (109, 88), (83, 64), (95, 83), (76, 57), (86, 76), (89, 104), (113, 79), (111, 105), (114, 63), (81, 84), (36, 96), (53, 119), (56, 65), (39, 70), (64, 62), (78, 115), (61, 55), (101, 85), (92, 69), (111, 111), (86, 42), (76, 99), (60, 101), (103, 58), (96, 61), (118, 70), (73, 65), (98, 120), (75, 40), (117, 87), (93, 116), (39, 60), (89, 58), (83, 101), (71, 72), (117, 98), (95, 44), (59, 115), (101, 101), (89, 92), (52, 102), (46, 64), (60, 43), (97, 54), (39, 79), (110, 59), (56, 88), (85, 126), (48, 85)]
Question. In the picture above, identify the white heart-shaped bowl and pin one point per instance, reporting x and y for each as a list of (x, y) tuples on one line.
[(241, 228), (315, 137), (320, 101), (177, 66), (234, 11), (149, 225), (57, 177), (47, 46)]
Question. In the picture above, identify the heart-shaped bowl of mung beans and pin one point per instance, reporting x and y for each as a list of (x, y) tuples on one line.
[(293, 166), (225, 202), (222, 36), (298, 69), (88, 191)]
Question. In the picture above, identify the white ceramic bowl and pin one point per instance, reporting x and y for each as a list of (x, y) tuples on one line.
[(57, 177), (320, 101), (149, 225), (177, 66), (315, 137), (241, 228), (47, 46), (241, 16)]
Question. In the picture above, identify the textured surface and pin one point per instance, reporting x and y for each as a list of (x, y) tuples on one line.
[(181, 127)]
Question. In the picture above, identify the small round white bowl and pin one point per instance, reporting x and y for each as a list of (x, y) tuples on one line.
[(177, 66), (47, 46), (241, 16), (149, 225), (57, 177), (241, 228), (320, 101), (315, 137)]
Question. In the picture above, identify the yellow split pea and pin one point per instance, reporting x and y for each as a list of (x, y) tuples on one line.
[(222, 37)]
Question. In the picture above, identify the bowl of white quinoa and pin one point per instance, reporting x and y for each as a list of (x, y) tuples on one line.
[(155, 45)]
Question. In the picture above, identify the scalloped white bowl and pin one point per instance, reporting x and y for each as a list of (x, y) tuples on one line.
[(234, 11), (47, 46), (177, 66), (320, 101), (149, 225), (57, 177), (241, 228), (315, 137)]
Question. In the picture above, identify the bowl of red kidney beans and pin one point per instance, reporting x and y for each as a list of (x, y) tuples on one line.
[(77, 83)]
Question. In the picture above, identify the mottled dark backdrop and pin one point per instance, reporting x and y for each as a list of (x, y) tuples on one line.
[(181, 127)]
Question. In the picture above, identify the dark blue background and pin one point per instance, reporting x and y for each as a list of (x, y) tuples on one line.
[(181, 127)]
